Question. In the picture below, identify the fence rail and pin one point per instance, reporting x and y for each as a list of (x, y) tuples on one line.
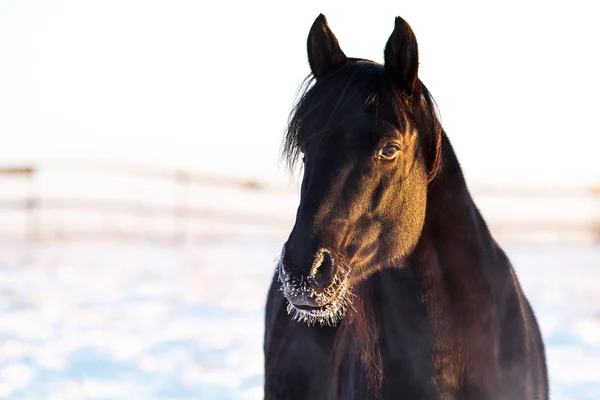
[(34, 201)]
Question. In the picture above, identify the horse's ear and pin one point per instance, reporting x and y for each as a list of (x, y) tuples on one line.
[(401, 57), (324, 52)]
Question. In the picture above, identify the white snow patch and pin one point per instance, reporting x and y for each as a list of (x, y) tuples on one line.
[(134, 321)]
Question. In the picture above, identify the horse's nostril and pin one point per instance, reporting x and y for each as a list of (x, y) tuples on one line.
[(322, 268)]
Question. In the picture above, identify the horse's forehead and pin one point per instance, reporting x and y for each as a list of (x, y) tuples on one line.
[(357, 134), (371, 121)]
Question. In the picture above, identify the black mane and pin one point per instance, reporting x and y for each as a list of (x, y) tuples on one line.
[(361, 84)]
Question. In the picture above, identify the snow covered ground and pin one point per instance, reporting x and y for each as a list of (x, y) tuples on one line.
[(139, 321), (147, 321)]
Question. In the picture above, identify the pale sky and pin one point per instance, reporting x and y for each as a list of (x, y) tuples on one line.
[(208, 85)]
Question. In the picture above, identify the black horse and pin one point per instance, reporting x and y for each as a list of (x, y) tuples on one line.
[(390, 284)]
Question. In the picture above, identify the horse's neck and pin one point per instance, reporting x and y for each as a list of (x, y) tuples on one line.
[(451, 273), (453, 224), (456, 256)]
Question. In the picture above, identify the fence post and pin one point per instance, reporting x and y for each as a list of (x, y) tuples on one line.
[(32, 207), (596, 226), (182, 207)]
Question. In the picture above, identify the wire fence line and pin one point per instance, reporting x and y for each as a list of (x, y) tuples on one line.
[(80, 200)]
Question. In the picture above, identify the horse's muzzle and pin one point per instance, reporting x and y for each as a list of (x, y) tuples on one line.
[(310, 288)]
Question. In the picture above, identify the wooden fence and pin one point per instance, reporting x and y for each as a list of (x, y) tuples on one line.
[(33, 201)]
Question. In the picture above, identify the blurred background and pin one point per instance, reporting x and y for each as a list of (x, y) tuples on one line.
[(143, 202)]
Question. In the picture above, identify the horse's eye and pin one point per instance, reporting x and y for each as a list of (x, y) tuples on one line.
[(389, 152)]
